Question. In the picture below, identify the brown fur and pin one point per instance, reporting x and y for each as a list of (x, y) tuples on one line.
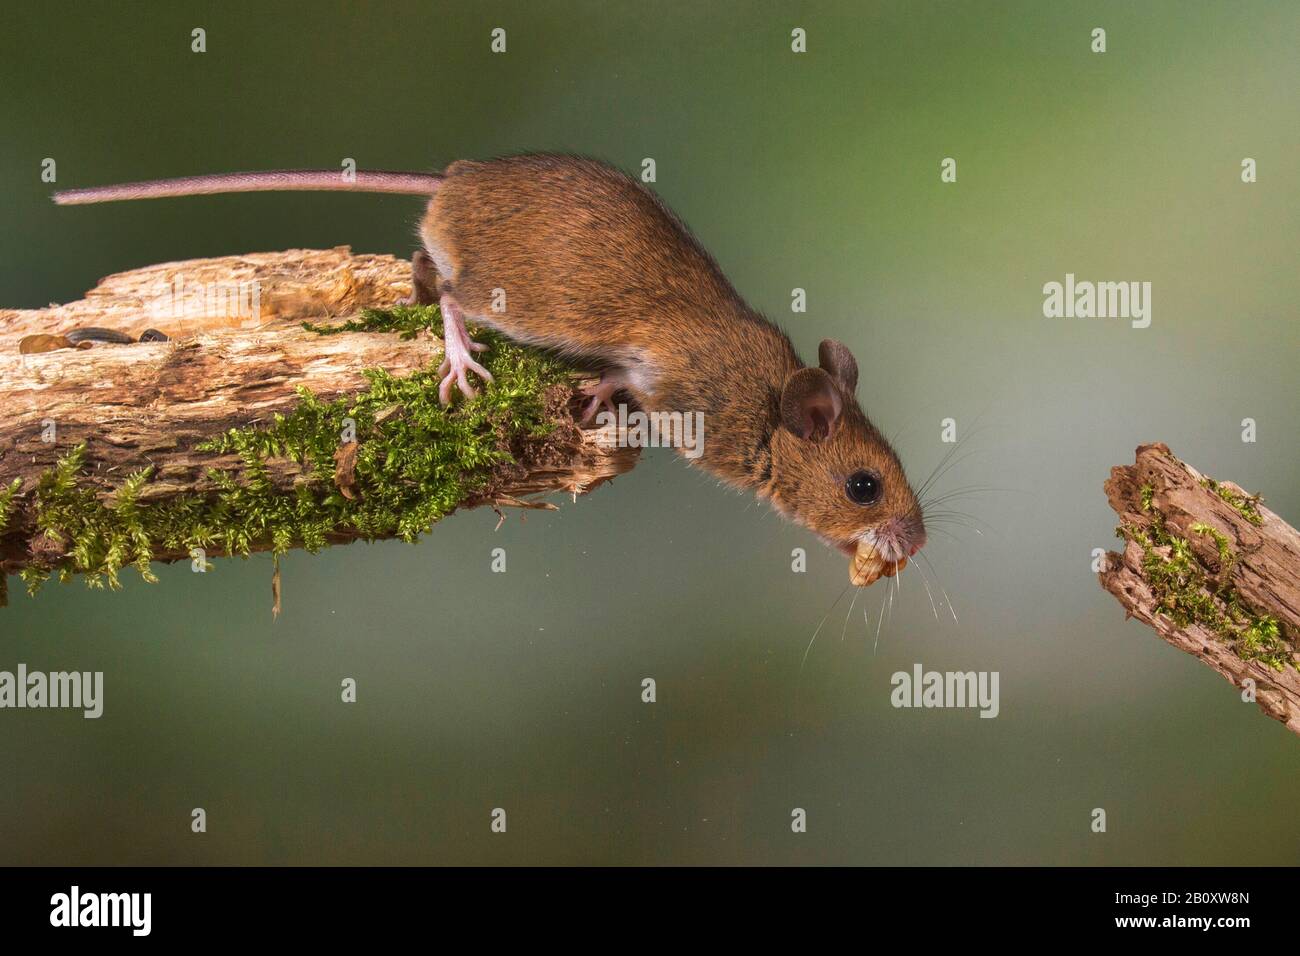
[(595, 266)]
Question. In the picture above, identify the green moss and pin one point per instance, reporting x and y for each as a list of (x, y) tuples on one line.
[(7, 497), (415, 462), (1227, 557), (1245, 505), (1184, 592), (99, 538), (407, 320)]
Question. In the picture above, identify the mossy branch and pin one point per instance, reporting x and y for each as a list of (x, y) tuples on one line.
[(1213, 571), (313, 423)]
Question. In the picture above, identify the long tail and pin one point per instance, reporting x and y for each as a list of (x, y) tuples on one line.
[(331, 180)]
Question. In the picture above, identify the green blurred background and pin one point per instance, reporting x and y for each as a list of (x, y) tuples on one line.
[(522, 690)]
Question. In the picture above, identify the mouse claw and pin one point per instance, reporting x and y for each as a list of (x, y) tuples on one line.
[(457, 374), (594, 404), (457, 348), (600, 395), (455, 369)]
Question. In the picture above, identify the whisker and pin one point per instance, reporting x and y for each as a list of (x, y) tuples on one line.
[(942, 461), (930, 478), (939, 584), (845, 629), (963, 525), (893, 442), (964, 491), (951, 451), (960, 519), (879, 621), (945, 531), (952, 535), (946, 466), (892, 589), (949, 510), (955, 520), (951, 517), (928, 594), (819, 626), (962, 494)]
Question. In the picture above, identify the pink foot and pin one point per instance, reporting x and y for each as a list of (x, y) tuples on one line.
[(601, 395), (458, 347)]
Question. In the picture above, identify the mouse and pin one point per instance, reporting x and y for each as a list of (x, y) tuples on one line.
[(572, 255), (83, 338)]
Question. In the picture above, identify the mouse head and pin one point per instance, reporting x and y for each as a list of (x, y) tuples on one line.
[(835, 473)]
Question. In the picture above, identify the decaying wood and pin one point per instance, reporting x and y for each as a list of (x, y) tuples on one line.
[(1265, 574), (233, 360)]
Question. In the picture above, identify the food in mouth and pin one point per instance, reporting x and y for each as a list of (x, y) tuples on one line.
[(867, 566)]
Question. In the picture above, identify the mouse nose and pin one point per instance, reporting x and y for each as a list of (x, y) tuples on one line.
[(917, 544)]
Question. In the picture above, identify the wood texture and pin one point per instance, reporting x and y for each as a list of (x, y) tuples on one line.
[(1266, 574), (233, 361)]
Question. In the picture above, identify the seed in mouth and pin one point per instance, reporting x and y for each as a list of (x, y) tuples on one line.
[(868, 566)]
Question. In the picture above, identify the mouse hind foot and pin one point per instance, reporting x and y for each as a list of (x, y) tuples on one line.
[(601, 395), (458, 349)]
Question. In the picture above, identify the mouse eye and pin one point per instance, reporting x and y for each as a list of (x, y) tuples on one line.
[(863, 488)]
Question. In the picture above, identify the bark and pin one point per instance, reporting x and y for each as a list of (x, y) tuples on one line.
[(1265, 573), (229, 365)]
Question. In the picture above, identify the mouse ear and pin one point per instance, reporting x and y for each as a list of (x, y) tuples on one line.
[(836, 358), (810, 404)]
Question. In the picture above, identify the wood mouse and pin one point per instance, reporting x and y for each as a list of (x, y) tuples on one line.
[(592, 265)]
